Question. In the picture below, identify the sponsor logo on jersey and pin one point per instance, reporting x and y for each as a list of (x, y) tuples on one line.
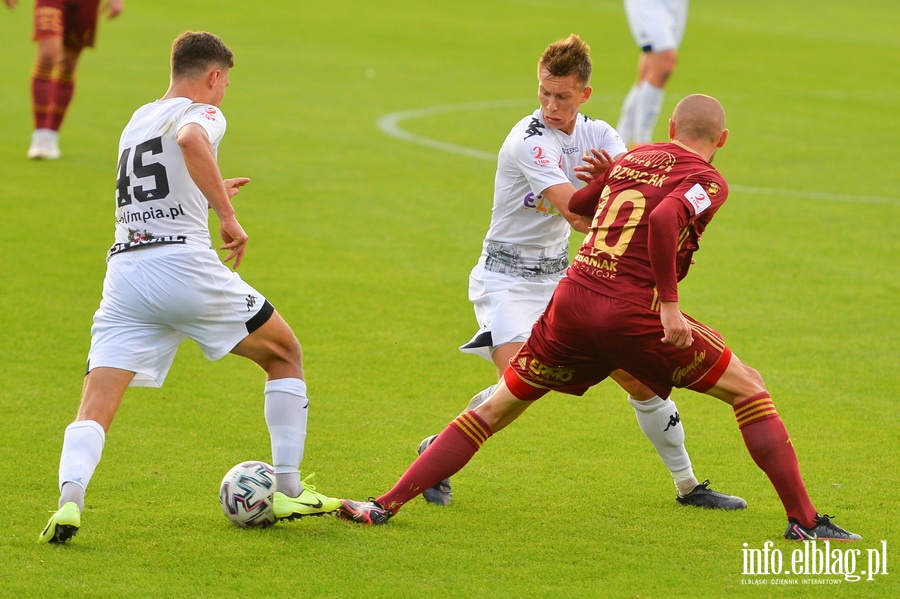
[(143, 216), (571, 150), (534, 128), (698, 198), (685, 371), (712, 188), (598, 266), (540, 159), (540, 203), (655, 159), (210, 113), (550, 374), (140, 236), (118, 248)]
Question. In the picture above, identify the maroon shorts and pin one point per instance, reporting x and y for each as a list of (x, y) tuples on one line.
[(75, 21), (583, 336)]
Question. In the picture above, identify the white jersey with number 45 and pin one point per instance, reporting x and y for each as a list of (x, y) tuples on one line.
[(157, 202)]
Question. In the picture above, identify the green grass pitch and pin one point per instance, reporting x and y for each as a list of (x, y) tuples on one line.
[(364, 241)]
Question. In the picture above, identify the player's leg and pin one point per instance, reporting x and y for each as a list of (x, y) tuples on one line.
[(465, 435), (769, 444), (43, 77), (126, 349), (276, 350), (450, 451), (505, 309), (662, 425), (628, 115), (656, 69), (82, 448), (62, 90), (501, 356), (657, 29), (441, 493)]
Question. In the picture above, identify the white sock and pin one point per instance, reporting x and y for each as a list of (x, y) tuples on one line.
[(480, 398), (661, 423), (628, 116), (649, 104), (286, 416), (82, 447)]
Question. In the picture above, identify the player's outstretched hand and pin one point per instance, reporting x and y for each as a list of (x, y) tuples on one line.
[(113, 8), (675, 325), (595, 165), (233, 186), (235, 240)]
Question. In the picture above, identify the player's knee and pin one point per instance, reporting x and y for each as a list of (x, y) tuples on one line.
[(68, 62), (756, 378), (48, 59), (67, 69), (662, 67), (669, 63), (275, 351), (289, 350), (50, 54), (751, 381), (636, 389)]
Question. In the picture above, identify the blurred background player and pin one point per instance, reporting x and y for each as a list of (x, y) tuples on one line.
[(165, 283), (649, 212), (62, 29), (526, 250), (658, 28)]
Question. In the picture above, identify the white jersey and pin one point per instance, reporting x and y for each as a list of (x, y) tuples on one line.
[(157, 202), (525, 252), (533, 158)]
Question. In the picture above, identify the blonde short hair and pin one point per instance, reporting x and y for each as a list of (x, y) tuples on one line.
[(568, 56)]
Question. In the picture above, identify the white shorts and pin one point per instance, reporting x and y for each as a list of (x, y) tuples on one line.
[(506, 307), (155, 298), (657, 25)]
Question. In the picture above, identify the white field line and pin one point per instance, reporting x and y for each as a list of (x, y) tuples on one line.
[(390, 124)]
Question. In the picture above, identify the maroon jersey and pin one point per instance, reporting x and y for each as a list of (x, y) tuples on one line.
[(650, 209)]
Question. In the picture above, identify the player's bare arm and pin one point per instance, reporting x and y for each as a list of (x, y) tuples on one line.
[(560, 195), (200, 160)]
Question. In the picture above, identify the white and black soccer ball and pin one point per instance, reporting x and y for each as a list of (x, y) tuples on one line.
[(247, 494)]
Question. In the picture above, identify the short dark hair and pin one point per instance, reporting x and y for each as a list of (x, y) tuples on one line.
[(195, 52), (568, 56)]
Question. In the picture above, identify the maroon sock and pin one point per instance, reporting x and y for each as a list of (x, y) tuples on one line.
[(41, 91), (63, 90), (446, 456), (770, 447)]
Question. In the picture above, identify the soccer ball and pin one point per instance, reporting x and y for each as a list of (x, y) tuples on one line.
[(246, 494)]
